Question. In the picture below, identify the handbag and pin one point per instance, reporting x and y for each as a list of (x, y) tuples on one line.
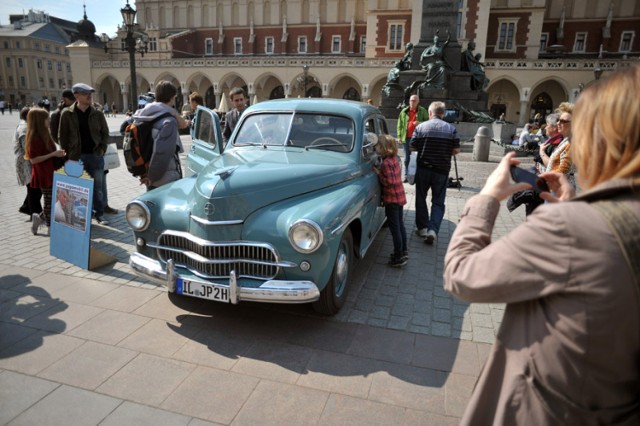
[(111, 158), (413, 166)]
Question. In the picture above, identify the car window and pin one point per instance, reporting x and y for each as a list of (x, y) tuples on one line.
[(205, 129), (305, 130), (264, 129), (334, 133)]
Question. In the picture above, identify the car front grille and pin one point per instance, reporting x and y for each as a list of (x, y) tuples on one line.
[(210, 259)]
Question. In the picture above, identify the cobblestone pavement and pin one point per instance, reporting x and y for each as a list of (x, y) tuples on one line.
[(402, 350)]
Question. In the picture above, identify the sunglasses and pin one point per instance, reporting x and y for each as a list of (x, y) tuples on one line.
[(563, 121)]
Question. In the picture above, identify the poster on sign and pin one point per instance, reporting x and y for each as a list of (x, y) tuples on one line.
[(70, 233)]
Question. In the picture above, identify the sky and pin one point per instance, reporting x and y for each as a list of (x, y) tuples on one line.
[(104, 14)]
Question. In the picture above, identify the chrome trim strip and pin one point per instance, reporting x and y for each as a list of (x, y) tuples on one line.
[(272, 291), (171, 276), (217, 222), (233, 288)]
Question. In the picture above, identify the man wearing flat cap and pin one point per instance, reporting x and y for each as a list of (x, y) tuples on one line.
[(84, 134)]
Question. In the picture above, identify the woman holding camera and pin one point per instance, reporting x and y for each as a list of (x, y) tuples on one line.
[(568, 348)]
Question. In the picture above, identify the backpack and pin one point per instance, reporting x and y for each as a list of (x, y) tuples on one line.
[(137, 145)]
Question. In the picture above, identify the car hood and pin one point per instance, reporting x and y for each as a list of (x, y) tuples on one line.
[(243, 180)]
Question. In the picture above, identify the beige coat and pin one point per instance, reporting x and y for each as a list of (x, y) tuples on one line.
[(568, 349)]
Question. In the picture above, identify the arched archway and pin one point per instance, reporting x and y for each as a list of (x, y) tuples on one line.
[(504, 98), (541, 104)]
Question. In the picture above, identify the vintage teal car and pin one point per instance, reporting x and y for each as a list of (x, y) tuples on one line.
[(279, 214)]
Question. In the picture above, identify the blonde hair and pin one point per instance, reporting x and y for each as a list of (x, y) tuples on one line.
[(37, 129), (387, 146), (606, 129), (565, 107)]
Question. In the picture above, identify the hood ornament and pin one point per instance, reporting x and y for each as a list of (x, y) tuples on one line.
[(209, 209)]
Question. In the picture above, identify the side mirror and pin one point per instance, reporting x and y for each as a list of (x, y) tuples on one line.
[(370, 140)]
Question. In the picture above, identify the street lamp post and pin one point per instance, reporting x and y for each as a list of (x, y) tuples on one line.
[(128, 15), (305, 71)]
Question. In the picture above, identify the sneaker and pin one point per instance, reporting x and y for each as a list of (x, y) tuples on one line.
[(431, 237), (422, 232), (109, 210), (398, 263), (101, 220), (36, 221), (405, 255)]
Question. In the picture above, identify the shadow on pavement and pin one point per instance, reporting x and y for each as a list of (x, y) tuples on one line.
[(20, 302)]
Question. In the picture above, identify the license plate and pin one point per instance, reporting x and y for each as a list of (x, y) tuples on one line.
[(202, 290)]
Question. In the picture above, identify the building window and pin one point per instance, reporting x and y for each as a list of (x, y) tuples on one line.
[(302, 44), (51, 86), (59, 66), (49, 66), (57, 50), (581, 38), (41, 82), (60, 83), (47, 48), (268, 45), (69, 69), (11, 81), (17, 45), (153, 44), (20, 63), (39, 64), (506, 34), (66, 52), (208, 46), (336, 44), (36, 46), (23, 81), (626, 41), (237, 45), (6, 44), (396, 34), (363, 44), (544, 40), (8, 62)]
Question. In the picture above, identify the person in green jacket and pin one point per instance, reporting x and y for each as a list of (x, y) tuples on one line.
[(408, 119)]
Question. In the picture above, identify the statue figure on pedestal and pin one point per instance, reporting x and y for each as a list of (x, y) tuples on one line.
[(472, 64), (403, 64), (434, 64)]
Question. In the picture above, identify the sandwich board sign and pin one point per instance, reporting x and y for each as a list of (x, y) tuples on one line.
[(71, 207)]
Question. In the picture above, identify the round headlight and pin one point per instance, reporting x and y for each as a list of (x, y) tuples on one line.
[(138, 216), (305, 236)]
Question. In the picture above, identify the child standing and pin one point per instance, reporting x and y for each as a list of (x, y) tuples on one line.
[(393, 197), (40, 150)]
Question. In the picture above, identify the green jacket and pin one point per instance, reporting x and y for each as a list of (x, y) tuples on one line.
[(69, 132), (403, 120)]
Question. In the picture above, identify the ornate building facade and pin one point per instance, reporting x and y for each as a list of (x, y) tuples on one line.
[(537, 53)]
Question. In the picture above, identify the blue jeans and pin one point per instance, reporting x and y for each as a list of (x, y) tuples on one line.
[(94, 165), (396, 227), (427, 179), (407, 155)]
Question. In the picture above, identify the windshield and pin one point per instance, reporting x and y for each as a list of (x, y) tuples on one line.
[(303, 130)]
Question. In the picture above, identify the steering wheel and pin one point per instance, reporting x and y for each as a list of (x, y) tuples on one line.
[(325, 138)]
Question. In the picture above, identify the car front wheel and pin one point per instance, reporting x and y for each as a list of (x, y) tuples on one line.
[(334, 294)]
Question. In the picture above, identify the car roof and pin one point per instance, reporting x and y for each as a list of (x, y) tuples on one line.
[(322, 106)]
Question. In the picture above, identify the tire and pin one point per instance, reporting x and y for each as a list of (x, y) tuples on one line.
[(334, 294)]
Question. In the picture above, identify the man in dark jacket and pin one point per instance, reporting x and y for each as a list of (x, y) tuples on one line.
[(54, 123), (84, 134), (239, 99)]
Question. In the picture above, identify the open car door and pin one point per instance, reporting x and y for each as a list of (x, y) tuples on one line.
[(206, 141)]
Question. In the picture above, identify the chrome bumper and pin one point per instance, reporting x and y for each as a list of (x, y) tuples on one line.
[(272, 291)]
